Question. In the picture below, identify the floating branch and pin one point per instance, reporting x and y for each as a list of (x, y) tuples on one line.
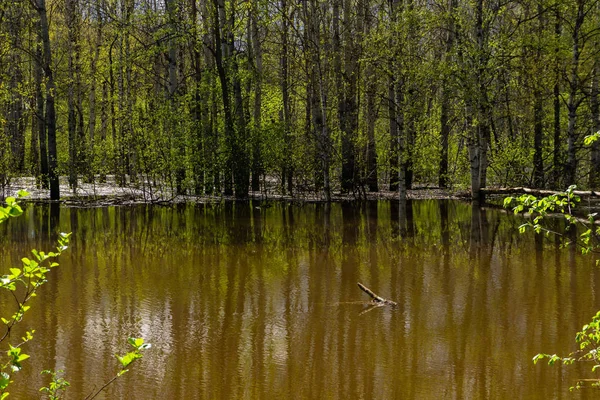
[(375, 298)]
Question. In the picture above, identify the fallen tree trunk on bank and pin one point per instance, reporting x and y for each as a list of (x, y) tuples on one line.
[(375, 298), (536, 192)]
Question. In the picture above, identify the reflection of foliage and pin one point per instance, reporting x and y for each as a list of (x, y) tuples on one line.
[(589, 241)]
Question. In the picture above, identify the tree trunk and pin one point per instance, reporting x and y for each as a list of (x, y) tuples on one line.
[(287, 170), (371, 114), (557, 144), (70, 7), (257, 162), (574, 100), (40, 117), (173, 87), (50, 116), (95, 50), (595, 110), (220, 58), (347, 99), (538, 135)]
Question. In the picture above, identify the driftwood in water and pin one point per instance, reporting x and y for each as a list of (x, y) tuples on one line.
[(537, 192), (375, 298)]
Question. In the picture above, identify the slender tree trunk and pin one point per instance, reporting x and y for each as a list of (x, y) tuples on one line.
[(220, 57), (173, 87), (557, 144), (70, 7), (538, 108), (287, 170), (371, 114), (95, 49), (199, 166), (257, 162), (395, 109), (394, 134), (538, 135), (479, 142), (50, 116), (445, 127), (15, 123), (595, 110), (574, 100)]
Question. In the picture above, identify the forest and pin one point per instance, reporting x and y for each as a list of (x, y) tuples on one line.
[(231, 97)]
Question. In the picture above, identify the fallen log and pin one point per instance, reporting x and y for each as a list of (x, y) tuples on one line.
[(537, 192), (375, 298)]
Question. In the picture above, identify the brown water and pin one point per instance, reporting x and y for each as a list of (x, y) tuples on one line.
[(241, 302)]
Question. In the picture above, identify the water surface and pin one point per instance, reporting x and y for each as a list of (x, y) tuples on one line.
[(259, 301)]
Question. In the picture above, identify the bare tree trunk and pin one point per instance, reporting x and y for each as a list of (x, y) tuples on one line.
[(287, 173), (40, 117), (371, 114), (538, 128), (50, 116), (220, 58), (173, 87), (595, 110), (574, 98), (257, 162), (479, 141), (15, 119), (394, 134), (445, 103), (96, 45), (70, 7)]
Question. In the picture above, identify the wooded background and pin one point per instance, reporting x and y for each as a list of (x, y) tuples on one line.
[(226, 96)]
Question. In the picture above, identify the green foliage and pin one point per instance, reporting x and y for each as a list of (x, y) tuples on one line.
[(589, 345), (138, 345), (589, 241), (562, 203), (588, 140), (23, 284), (57, 385)]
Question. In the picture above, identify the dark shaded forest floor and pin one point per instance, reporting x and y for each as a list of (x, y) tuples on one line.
[(110, 193)]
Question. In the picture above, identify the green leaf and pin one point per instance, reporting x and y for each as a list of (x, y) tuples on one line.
[(128, 358), (4, 380)]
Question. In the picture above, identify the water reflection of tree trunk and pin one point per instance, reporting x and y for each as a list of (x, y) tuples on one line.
[(401, 214), (260, 320), (476, 319), (230, 334), (448, 285), (54, 220), (371, 237), (346, 332)]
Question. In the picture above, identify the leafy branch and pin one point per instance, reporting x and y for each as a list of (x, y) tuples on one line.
[(125, 360), (563, 203), (22, 283), (589, 241)]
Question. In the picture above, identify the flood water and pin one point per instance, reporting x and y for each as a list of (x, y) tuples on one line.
[(260, 301)]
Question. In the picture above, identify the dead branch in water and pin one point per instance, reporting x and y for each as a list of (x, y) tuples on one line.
[(375, 298)]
